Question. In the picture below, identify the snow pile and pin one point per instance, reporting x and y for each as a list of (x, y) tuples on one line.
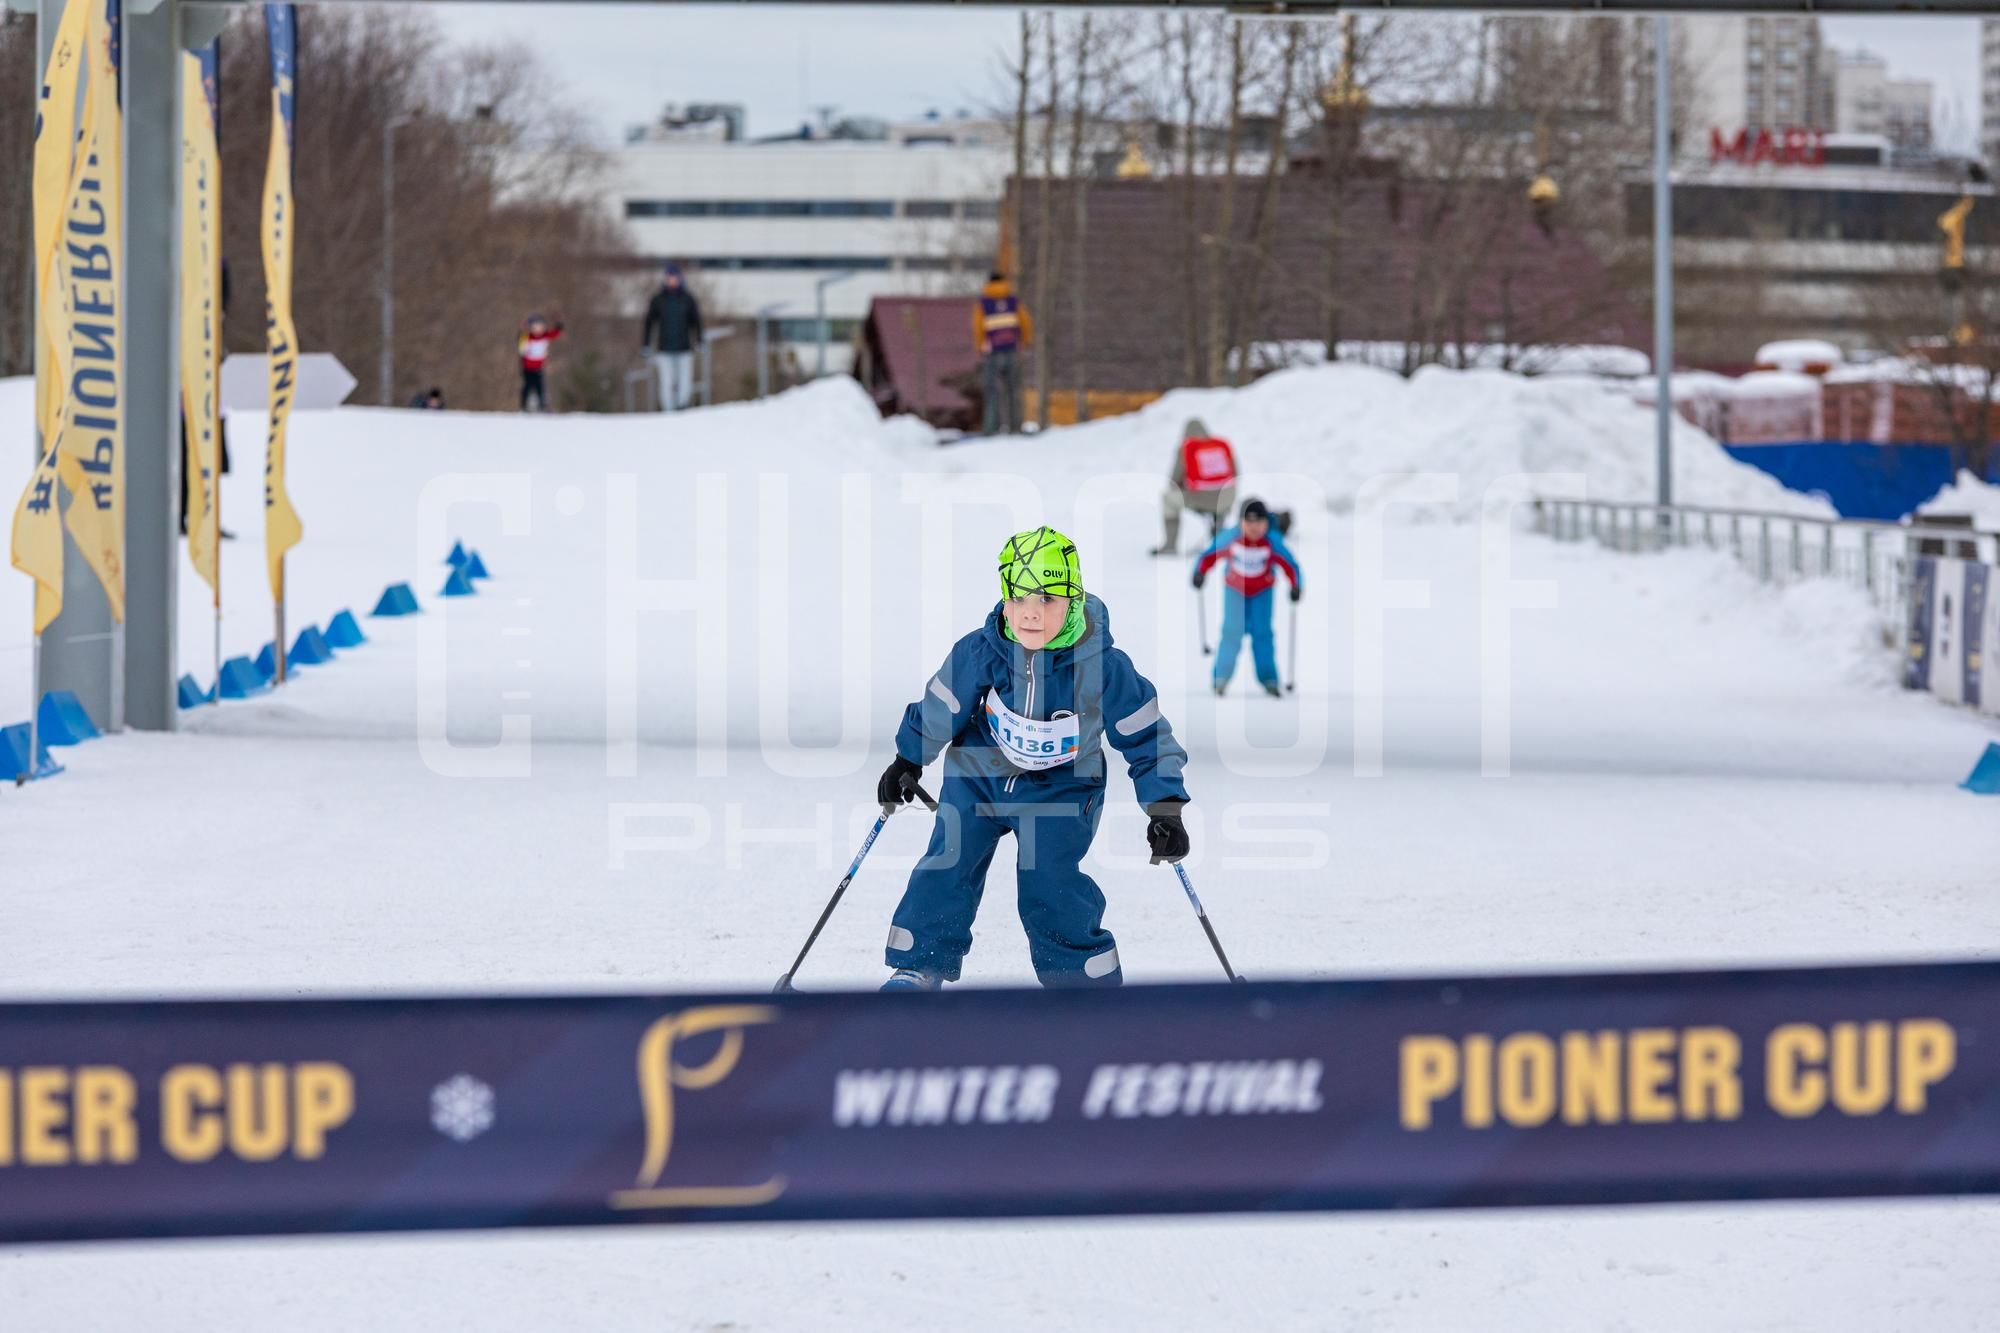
[(1353, 435), (1607, 360), (1804, 355), (1967, 495)]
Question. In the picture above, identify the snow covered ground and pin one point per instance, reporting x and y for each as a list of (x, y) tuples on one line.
[(640, 758)]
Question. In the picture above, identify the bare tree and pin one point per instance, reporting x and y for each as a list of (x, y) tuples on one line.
[(1221, 244), (1047, 254), (1943, 323), (1259, 260), (1079, 331), (17, 229), (494, 217), (1024, 73)]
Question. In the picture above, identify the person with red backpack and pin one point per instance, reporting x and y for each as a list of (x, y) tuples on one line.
[(1203, 478), (1254, 551)]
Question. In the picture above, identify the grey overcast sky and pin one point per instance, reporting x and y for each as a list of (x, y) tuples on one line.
[(623, 62)]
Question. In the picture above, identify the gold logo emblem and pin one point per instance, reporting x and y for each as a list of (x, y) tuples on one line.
[(660, 1075)]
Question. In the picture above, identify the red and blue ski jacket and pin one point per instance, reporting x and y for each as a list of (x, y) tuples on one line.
[(1253, 565), (988, 676)]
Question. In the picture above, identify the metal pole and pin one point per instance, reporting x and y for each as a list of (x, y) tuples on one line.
[(819, 310), (388, 365), (34, 708), (764, 346), (1663, 260)]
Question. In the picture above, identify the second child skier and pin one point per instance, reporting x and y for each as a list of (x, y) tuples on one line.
[(1025, 704), (537, 336), (1254, 552)]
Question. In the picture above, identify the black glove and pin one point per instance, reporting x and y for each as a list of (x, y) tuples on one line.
[(1166, 835), (1199, 575), (1297, 592), (899, 782)]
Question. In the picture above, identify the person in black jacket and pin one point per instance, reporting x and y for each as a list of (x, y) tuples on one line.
[(672, 332)]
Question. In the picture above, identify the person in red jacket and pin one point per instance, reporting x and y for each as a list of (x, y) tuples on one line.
[(1203, 478), (537, 334), (1254, 552)]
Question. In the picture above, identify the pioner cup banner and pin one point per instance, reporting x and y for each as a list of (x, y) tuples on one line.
[(212, 1118)]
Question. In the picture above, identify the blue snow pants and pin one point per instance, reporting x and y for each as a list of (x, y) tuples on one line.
[(1054, 819), (1250, 615)]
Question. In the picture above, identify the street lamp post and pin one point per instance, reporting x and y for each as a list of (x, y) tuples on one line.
[(764, 314), (388, 369), (819, 307)]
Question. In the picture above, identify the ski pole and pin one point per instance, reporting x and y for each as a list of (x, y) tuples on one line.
[(1201, 611), (785, 982), (1292, 653), (1207, 929)]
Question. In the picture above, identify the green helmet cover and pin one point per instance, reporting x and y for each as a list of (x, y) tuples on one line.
[(1038, 561)]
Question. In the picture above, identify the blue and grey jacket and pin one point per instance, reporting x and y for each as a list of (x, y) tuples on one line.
[(1090, 679)]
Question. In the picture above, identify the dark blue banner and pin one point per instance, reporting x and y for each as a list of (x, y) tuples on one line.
[(175, 1119)]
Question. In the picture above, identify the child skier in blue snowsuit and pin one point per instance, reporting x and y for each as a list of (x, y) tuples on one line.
[(1255, 553), (1025, 704)]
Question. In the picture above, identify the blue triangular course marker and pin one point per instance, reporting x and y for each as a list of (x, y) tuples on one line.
[(190, 693), (309, 649), (396, 600), (239, 679), (63, 720), (14, 755), (475, 568), (267, 662), (343, 631), (1984, 780), (457, 556), (458, 585)]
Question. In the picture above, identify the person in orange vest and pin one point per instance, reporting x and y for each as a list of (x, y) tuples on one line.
[(1001, 330), (1203, 478)]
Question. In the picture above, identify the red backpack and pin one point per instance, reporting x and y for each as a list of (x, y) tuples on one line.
[(1207, 464)]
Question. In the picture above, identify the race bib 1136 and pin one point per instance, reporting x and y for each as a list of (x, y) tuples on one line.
[(1028, 743)]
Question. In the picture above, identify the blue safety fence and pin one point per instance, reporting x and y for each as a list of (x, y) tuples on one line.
[(164, 1118), (62, 720), (1859, 478)]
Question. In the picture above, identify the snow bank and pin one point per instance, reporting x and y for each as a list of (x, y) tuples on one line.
[(1967, 495), (1350, 431), (1799, 354), (1607, 360)]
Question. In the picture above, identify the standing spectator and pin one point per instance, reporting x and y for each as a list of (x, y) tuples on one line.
[(672, 332), (1203, 478), (1001, 330), (536, 337)]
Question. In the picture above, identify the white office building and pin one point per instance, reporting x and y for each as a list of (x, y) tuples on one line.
[(776, 226), (1755, 72), (1868, 100)]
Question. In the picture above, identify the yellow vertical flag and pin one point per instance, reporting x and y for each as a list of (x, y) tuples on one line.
[(36, 547), (201, 311), (87, 271), (282, 529)]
